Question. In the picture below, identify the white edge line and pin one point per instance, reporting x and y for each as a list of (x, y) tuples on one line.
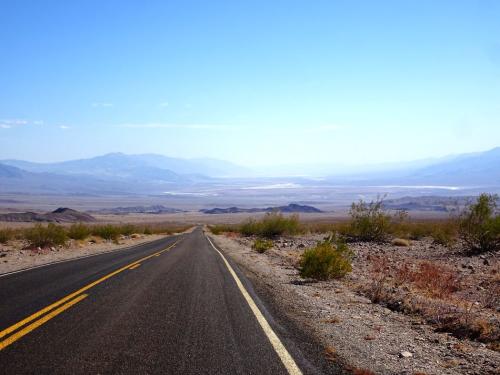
[(77, 258), (278, 346)]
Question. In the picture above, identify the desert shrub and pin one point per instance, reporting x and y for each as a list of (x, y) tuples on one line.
[(221, 228), (6, 235), (250, 227), (435, 280), (412, 230), (43, 236), (147, 230), (480, 225), (326, 261), (107, 232), (275, 224), (78, 231), (369, 221), (445, 235), (260, 245), (271, 225), (127, 229)]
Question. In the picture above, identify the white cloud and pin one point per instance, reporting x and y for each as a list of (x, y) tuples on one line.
[(176, 126), (64, 127), (164, 104), (102, 105), (11, 123)]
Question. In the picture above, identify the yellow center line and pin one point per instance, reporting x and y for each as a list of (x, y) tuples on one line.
[(39, 322), (135, 266), (39, 313)]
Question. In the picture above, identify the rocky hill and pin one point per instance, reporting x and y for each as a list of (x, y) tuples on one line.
[(61, 215), (291, 208)]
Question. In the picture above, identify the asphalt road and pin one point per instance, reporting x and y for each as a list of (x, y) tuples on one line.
[(173, 306)]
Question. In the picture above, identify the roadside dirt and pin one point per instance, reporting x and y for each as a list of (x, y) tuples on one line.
[(15, 256), (360, 334)]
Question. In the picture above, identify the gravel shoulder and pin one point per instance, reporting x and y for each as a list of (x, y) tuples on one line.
[(356, 333), (15, 256)]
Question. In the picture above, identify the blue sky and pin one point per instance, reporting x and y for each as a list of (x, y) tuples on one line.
[(254, 82)]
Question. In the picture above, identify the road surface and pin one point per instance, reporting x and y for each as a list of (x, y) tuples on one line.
[(172, 306)]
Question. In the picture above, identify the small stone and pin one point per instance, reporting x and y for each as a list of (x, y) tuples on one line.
[(405, 354)]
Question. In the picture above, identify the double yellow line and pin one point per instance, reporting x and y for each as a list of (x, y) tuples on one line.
[(63, 304)]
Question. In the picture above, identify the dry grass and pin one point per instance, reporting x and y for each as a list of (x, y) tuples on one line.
[(51, 234), (430, 291)]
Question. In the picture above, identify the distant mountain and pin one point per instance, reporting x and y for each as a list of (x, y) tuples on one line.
[(428, 203), (468, 169), (472, 170), (61, 215), (150, 166), (291, 208), (155, 209), (10, 172)]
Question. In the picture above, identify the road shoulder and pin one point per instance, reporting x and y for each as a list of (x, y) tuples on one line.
[(354, 332)]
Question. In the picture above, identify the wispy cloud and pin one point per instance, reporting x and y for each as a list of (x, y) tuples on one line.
[(177, 126), (164, 104), (325, 128), (102, 105), (64, 127), (12, 123)]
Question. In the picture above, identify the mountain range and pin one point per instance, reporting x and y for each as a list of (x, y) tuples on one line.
[(119, 173)]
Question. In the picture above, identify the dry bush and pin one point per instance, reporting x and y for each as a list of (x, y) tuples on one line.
[(79, 231), (438, 281), (369, 221), (260, 245), (427, 289), (271, 225), (6, 235), (326, 261), (480, 225), (45, 236), (380, 273)]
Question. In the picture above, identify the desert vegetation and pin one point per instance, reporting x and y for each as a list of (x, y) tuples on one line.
[(480, 225), (262, 245), (327, 260), (443, 271), (271, 225), (50, 235)]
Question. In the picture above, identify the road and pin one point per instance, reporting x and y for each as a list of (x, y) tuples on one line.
[(172, 306)]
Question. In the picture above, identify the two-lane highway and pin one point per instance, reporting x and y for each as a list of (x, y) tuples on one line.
[(173, 306)]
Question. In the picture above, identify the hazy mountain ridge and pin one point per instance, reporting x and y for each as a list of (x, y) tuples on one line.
[(142, 165), (118, 173), (61, 215), (291, 208), (154, 209)]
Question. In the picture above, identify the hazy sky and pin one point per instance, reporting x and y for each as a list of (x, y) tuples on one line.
[(254, 82)]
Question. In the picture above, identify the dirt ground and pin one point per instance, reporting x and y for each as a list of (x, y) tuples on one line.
[(396, 335), (15, 256)]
